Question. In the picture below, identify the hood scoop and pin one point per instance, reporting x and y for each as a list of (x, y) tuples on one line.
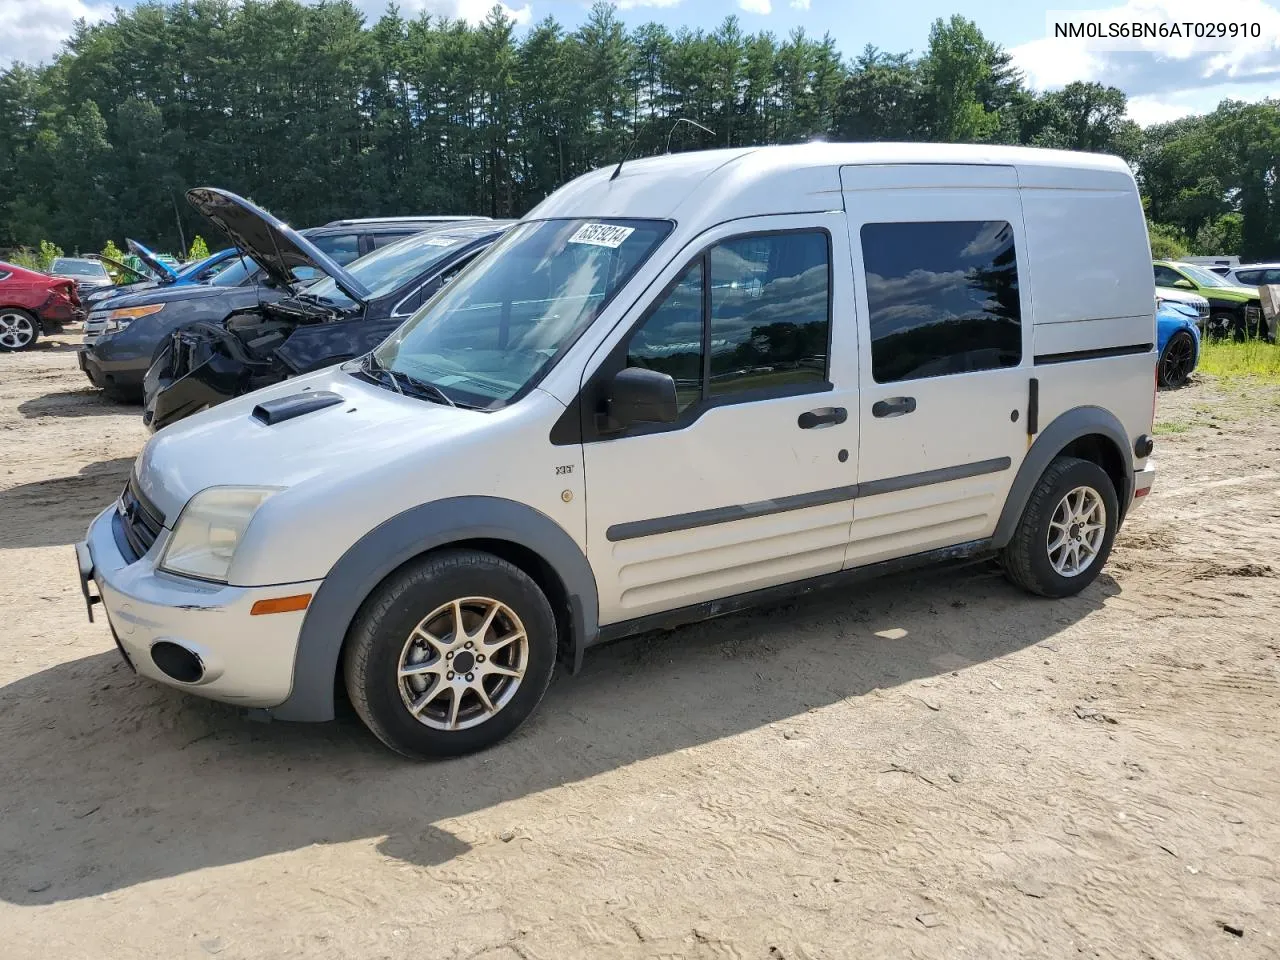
[(281, 409)]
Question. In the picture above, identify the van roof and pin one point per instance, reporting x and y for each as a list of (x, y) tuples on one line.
[(757, 181), (399, 221)]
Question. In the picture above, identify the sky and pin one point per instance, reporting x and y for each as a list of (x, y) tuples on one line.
[(1167, 80)]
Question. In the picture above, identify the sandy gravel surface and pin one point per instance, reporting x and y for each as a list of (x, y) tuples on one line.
[(934, 766)]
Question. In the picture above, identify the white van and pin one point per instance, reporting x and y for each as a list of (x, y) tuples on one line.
[(676, 389)]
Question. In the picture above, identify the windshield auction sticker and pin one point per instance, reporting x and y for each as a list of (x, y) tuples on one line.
[(602, 235)]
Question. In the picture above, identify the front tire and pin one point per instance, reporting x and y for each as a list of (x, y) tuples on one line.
[(1227, 326), (1177, 360), (19, 330), (450, 654), (1066, 530)]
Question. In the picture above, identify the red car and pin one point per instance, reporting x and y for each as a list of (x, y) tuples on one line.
[(33, 303)]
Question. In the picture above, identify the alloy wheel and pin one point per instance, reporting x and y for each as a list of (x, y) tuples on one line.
[(16, 330), (463, 663), (1178, 360), (1076, 531)]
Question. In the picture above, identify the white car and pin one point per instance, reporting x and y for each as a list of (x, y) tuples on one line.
[(549, 453), (1194, 300)]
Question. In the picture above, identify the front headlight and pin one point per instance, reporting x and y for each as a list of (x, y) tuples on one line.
[(209, 529), (119, 319)]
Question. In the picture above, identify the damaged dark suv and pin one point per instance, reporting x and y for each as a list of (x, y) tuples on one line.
[(345, 314)]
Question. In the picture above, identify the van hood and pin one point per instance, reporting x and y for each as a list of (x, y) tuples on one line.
[(164, 273), (227, 445), (271, 243)]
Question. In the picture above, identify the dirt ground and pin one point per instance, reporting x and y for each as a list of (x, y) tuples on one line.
[(933, 766)]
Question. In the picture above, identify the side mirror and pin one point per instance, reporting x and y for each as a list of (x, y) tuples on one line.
[(637, 395), (1184, 284)]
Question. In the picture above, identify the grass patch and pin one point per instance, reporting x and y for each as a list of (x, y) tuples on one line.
[(1230, 360), (1161, 429)]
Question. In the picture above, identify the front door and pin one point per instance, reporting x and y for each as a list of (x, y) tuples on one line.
[(944, 317), (752, 486)]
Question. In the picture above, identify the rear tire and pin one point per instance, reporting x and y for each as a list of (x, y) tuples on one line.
[(1071, 515), (19, 330), (427, 689)]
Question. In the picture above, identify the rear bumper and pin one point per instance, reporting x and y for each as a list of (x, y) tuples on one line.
[(56, 314)]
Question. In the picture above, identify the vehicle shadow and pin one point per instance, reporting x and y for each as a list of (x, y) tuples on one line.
[(196, 785), (54, 346), (89, 402), (63, 505)]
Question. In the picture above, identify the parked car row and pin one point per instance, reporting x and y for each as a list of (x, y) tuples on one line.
[(124, 334), (1235, 312)]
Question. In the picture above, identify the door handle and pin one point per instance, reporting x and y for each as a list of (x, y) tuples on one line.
[(817, 418), (893, 407)]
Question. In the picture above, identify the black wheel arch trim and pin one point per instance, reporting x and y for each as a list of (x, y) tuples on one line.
[(398, 540), (1053, 439)]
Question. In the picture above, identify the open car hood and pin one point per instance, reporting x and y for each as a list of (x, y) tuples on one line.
[(273, 245), (131, 275), (164, 273)]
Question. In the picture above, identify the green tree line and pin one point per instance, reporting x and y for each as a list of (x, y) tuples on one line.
[(316, 113)]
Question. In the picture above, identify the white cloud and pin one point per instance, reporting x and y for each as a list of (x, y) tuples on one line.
[(762, 7), (33, 31), (472, 11), (632, 4), (799, 4), (1169, 78)]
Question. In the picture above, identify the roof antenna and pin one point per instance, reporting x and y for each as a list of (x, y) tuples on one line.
[(691, 123), (625, 157)]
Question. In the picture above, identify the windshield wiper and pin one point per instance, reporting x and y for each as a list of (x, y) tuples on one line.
[(372, 366), (426, 385)]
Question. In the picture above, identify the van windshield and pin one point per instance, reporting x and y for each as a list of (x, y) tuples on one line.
[(500, 325)]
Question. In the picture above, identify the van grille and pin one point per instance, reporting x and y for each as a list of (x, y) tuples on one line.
[(141, 521)]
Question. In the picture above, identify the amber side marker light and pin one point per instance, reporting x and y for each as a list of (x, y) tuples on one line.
[(281, 604)]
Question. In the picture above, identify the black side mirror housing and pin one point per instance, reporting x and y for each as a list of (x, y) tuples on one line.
[(636, 395)]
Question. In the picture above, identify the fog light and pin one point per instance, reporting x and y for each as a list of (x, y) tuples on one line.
[(177, 662)]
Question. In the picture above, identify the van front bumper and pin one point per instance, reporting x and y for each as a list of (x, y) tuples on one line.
[(1143, 480), (241, 659)]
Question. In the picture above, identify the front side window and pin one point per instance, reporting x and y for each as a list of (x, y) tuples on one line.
[(1166, 276), (670, 339), (769, 312), (943, 298), (765, 323), (499, 325)]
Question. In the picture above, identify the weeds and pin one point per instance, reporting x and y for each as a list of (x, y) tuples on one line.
[(1230, 360)]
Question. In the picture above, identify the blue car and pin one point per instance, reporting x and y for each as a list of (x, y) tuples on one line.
[(159, 273), (1178, 337)]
